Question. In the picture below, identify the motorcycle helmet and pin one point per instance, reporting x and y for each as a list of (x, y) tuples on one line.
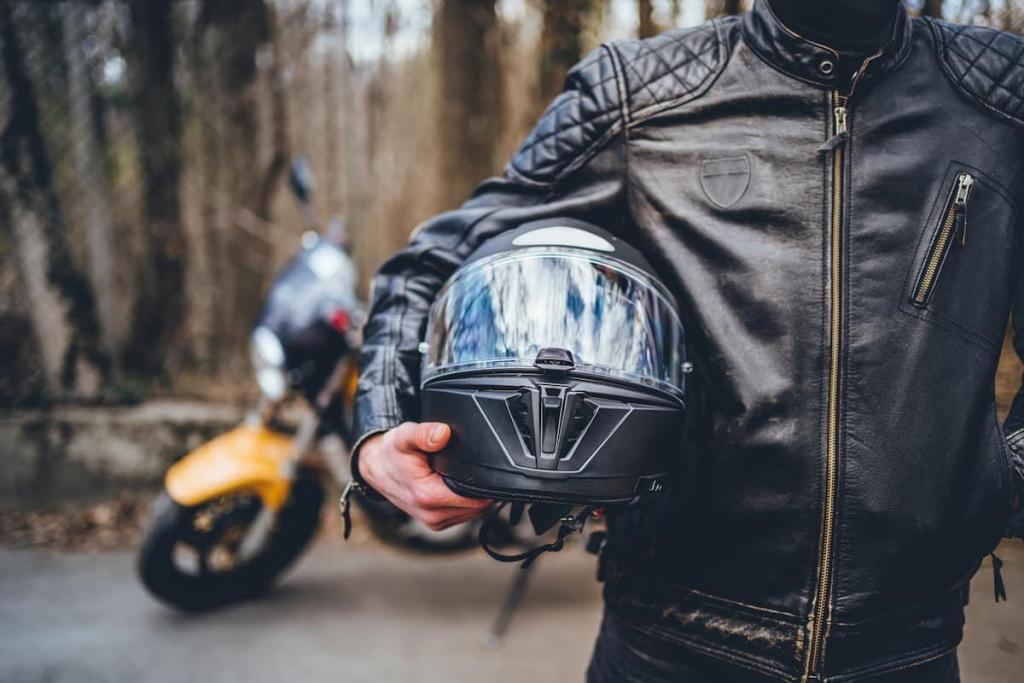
[(557, 357)]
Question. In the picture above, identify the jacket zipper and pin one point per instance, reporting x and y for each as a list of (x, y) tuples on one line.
[(954, 222), (818, 625), (824, 583)]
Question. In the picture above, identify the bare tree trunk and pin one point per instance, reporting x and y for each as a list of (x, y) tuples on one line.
[(90, 176), (647, 26), (233, 32), (932, 8), (279, 121), (1010, 18), (160, 302), (332, 108), (354, 163), (561, 44), (206, 252), (61, 303), (466, 37)]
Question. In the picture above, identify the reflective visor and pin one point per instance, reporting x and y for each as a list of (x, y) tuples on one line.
[(500, 311)]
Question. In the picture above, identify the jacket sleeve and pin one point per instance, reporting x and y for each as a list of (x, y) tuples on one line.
[(571, 165)]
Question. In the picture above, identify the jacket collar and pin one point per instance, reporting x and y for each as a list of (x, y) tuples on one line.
[(809, 61)]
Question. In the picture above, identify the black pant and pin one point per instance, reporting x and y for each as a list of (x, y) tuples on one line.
[(624, 655)]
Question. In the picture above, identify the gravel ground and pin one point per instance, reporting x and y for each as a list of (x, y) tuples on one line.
[(110, 525), (353, 614), (359, 612)]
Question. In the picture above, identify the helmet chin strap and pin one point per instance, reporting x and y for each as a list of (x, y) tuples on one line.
[(569, 524)]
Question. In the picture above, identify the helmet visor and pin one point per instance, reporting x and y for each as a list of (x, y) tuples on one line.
[(499, 312)]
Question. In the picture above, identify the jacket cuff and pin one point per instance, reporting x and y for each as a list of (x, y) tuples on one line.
[(363, 486), (1015, 442)]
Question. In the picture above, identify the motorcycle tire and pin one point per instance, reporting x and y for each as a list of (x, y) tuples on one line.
[(294, 527), (396, 528)]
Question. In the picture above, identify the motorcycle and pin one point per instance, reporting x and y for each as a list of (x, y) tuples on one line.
[(237, 511)]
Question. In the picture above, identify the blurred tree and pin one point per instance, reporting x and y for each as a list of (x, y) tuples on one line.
[(647, 26), (717, 8), (90, 176), (333, 83), (160, 299), (280, 148), (60, 299), (235, 30), (235, 37), (466, 37), (676, 11), (932, 8), (1012, 16), (561, 43)]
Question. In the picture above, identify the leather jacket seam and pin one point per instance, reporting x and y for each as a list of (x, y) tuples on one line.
[(936, 604), (394, 338), (680, 593), (652, 110), (941, 47), (950, 325), (901, 663), (513, 174), (1006, 456), (620, 84), (725, 654), (586, 155), (755, 611)]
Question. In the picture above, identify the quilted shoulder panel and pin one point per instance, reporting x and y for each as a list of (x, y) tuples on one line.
[(986, 65), (674, 67), (577, 123)]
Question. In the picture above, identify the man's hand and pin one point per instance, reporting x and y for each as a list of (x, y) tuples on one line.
[(395, 465)]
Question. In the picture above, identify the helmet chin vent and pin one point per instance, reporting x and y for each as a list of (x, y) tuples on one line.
[(550, 421), (579, 421), (521, 406)]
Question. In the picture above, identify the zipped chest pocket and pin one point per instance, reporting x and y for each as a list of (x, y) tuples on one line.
[(963, 273)]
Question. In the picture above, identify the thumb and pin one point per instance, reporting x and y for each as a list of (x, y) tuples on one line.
[(432, 436)]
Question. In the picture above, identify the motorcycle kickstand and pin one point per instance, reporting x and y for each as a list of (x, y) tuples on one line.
[(509, 605)]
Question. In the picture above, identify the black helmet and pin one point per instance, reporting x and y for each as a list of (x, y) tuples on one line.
[(556, 356)]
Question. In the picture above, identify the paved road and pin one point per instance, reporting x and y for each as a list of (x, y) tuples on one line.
[(355, 614)]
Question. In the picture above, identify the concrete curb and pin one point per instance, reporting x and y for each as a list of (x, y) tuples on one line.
[(71, 453)]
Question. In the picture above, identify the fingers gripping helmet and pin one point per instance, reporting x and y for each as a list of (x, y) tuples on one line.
[(556, 356)]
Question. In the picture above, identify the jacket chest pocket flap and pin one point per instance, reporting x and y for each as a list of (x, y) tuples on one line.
[(963, 271)]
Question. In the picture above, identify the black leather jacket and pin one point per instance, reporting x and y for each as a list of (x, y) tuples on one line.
[(845, 270)]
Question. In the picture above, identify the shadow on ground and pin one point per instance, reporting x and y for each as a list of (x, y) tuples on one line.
[(360, 613)]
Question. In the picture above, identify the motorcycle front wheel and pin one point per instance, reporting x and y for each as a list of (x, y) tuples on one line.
[(396, 528), (198, 558)]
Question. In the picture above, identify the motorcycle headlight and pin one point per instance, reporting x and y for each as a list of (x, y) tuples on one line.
[(268, 362)]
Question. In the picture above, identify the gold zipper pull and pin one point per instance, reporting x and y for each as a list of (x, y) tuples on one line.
[(963, 190)]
